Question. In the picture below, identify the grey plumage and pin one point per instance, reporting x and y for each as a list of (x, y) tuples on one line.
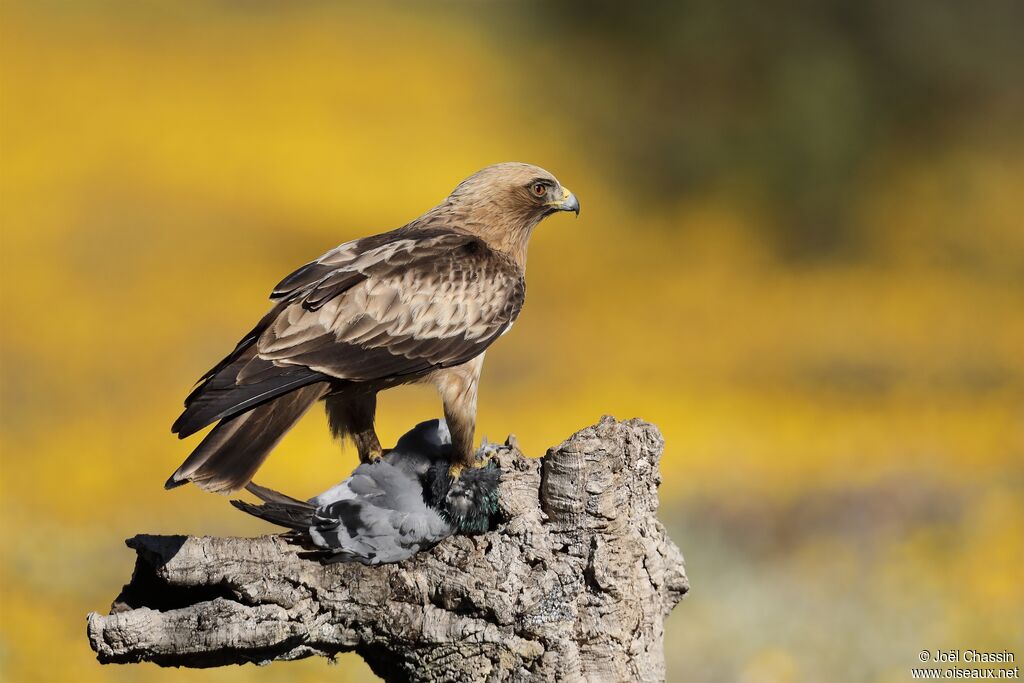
[(389, 510)]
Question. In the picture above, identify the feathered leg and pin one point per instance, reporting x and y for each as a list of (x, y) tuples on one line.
[(458, 389), (351, 413)]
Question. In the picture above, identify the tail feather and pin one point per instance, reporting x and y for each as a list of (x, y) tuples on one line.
[(272, 496), (230, 454), (296, 516)]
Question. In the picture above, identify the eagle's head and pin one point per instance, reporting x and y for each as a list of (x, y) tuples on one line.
[(503, 203), (525, 190)]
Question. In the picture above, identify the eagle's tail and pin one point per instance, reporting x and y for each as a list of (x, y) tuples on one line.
[(278, 509), (231, 453)]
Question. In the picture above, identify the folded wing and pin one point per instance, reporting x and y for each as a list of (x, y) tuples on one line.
[(379, 309)]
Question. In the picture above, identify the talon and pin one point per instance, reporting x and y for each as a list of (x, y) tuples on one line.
[(482, 458), (373, 456)]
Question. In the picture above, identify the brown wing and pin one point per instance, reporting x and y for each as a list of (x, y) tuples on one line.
[(384, 307), (413, 304), (341, 256)]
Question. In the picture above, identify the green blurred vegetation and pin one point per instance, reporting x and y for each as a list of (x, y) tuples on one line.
[(801, 254), (786, 104)]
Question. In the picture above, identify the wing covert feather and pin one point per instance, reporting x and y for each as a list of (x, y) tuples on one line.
[(403, 307)]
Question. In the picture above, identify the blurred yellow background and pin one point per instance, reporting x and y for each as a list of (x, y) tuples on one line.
[(801, 254)]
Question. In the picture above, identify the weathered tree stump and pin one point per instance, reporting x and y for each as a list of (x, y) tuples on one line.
[(574, 585)]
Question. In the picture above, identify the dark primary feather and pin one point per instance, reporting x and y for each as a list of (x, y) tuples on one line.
[(278, 508), (225, 394), (295, 517), (272, 496)]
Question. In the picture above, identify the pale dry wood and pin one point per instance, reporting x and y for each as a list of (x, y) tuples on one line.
[(574, 585)]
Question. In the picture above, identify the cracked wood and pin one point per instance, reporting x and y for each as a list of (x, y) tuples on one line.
[(574, 584)]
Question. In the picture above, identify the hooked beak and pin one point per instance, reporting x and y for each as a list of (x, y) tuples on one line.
[(568, 202)]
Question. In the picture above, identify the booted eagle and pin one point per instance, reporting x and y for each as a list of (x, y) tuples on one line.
[(418, 304)]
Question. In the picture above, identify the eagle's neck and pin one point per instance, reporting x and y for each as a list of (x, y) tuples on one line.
[(504, 231), (512, 241)]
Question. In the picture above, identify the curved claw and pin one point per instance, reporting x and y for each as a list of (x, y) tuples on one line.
[(481, 458)]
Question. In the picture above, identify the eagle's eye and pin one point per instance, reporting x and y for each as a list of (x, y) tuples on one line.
[(539, 189)]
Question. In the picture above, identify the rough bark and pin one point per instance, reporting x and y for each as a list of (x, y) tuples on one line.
[(574, 585)]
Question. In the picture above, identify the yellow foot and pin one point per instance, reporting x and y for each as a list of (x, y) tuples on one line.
[(480, 459), (373, 456)]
